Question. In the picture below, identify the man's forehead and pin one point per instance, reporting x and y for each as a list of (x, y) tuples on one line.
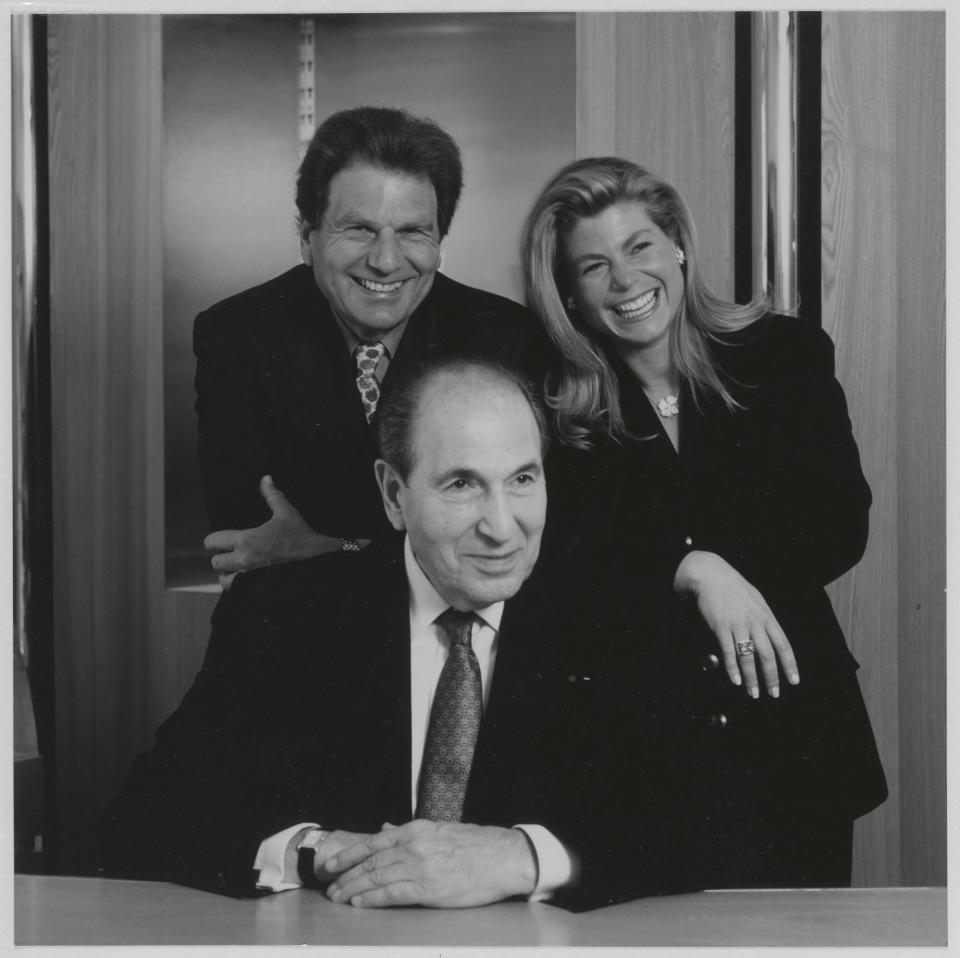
[(463, 417), (365, 185)]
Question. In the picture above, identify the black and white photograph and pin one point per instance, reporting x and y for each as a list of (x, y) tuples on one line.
[(478, 475)]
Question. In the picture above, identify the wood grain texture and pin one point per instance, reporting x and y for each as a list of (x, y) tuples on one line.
[(917, 74), (859, 292), (883, 304), (658, 89), (106, 347)]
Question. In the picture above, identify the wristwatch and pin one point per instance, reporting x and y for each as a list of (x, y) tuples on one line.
[(350, 545), (307, 854)]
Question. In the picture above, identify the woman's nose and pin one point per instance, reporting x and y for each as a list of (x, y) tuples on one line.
[(621, 276)]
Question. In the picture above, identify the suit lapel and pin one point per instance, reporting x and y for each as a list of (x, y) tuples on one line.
[(323, 379)]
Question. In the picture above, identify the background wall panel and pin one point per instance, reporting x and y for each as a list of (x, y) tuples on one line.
[(107, 415)]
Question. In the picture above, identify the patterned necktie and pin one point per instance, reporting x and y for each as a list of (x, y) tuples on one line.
[(367, 356), (454, 723)]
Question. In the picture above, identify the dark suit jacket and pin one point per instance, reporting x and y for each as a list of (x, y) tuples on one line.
[(301, 713), (777, 490), (276, 394)]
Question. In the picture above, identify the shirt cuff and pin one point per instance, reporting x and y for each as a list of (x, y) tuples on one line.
[(277, 859), (557, 865)]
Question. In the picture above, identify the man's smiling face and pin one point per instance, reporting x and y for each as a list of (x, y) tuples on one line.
[(376, 249)]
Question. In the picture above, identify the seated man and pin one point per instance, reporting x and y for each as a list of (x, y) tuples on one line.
[(410, 680), (290, 373)]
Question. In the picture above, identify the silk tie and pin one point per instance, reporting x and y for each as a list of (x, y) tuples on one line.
[(454, 724), (367, 356)]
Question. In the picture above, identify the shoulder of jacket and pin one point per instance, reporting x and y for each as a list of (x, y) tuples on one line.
[(291, 287), (476, 301), (326, 581), (774, 346)]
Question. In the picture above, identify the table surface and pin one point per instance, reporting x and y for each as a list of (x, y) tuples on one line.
[(95, 911)]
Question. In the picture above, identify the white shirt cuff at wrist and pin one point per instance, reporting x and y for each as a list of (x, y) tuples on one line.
[(277, 858), (557, 866)]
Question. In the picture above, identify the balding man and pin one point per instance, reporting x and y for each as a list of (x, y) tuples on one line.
[(413, 684)]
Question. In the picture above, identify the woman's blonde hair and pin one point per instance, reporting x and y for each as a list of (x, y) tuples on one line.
[(584, 395)]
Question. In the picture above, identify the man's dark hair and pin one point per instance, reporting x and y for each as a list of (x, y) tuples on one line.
[(389, 139), (399, 406)]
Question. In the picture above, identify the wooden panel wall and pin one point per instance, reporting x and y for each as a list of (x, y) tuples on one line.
[(107, 340), (883, 303), (658, 89)]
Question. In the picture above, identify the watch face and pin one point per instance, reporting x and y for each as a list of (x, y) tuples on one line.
[(349, 545)]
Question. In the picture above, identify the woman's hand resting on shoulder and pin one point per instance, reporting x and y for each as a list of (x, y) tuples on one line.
[(740, 619)]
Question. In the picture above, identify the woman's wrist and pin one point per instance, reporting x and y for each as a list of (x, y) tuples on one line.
[(690, 573)]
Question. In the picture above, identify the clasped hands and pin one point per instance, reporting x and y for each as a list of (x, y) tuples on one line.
[(438, 864), (741, 621), (284, 537)]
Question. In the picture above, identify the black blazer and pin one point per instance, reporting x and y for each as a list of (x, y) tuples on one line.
[(776, 489), (276, 394), (301, 713)]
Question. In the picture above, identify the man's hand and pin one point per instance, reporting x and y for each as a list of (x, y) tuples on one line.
[(335, 842), (285, 537), (741, 620), (440, 864)]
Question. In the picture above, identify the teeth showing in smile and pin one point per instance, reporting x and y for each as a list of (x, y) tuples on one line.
[(380, 287), (638, 308)]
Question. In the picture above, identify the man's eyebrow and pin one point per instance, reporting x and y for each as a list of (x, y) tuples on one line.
[(458, 472), (463, 472)]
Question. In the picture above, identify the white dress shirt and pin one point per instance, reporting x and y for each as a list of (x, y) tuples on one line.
[(429, 645)]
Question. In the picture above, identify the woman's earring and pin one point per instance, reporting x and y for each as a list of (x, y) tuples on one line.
[(570, 303), (681, 256)]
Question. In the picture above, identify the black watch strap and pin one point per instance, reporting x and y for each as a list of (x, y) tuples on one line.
[(305, 858)]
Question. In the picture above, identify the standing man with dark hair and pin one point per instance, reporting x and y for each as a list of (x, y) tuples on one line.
[(290, 373)]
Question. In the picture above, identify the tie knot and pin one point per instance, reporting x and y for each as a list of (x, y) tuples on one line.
[(457, 625), (368, 355)]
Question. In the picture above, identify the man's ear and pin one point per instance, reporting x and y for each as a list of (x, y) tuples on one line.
[(391, 487), (306, 253)]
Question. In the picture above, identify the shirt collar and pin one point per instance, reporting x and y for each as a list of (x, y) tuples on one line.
[(426, 603)]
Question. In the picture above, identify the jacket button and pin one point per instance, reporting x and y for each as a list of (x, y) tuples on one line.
[(717, 720), (709, 663), (687, 541)]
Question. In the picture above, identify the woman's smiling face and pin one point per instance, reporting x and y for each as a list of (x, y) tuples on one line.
[(625, 277)]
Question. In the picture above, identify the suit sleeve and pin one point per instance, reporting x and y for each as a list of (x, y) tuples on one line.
[(221, 777), (803, 513), (235, 415)]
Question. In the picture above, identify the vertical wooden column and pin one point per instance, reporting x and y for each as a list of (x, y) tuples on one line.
[(658, 89), (883, 303), (919, 105), (105, 140)]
